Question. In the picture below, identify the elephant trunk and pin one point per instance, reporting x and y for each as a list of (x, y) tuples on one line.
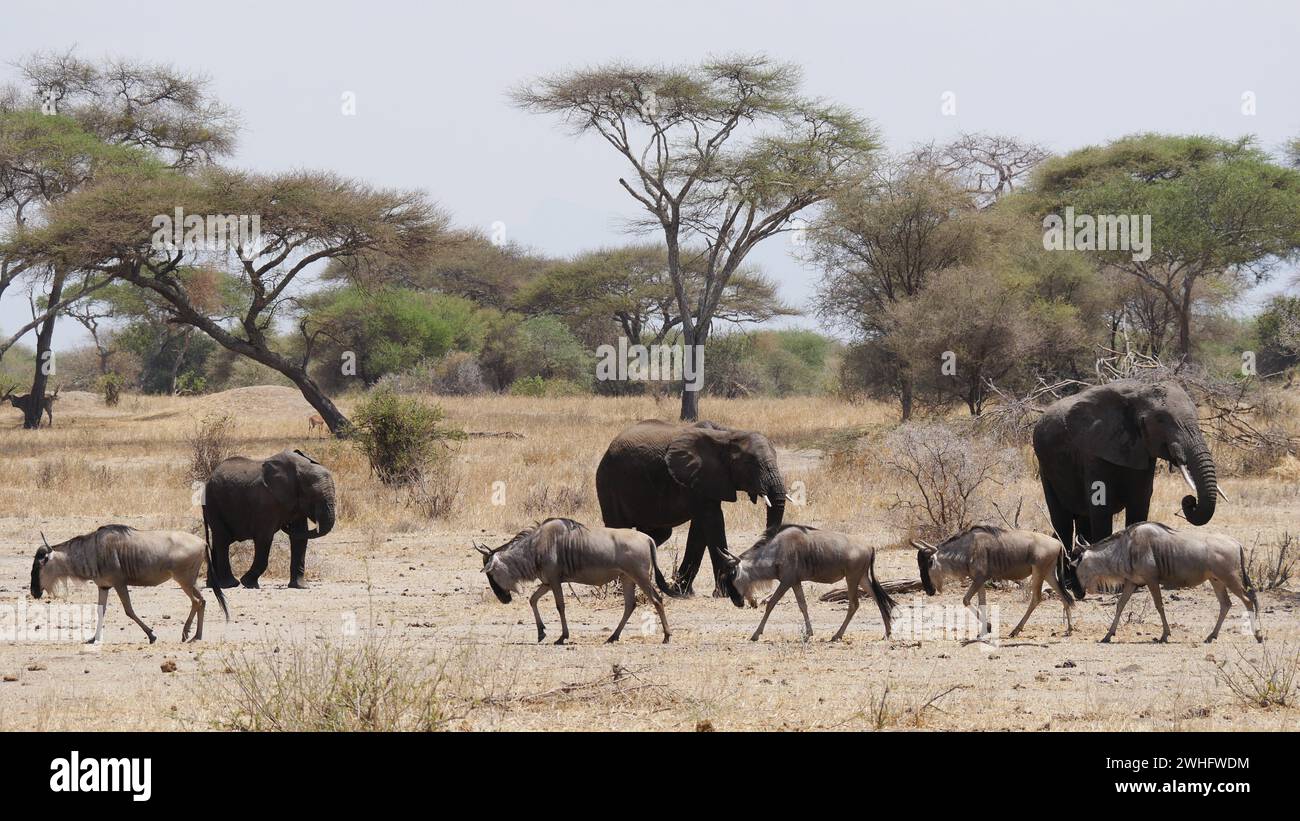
[(324, 520), (1200, 508), (774, 489)]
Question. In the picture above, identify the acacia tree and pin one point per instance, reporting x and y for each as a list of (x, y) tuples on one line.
[(307, 219), (1220, 210), (724, 155), (879, 244), (630, 288), (79, 118)]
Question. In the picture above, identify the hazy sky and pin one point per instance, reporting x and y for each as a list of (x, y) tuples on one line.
[(430, 80)]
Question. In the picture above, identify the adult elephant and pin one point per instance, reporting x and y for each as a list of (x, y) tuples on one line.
[(253, 499), (656, 475), (1097, 453)]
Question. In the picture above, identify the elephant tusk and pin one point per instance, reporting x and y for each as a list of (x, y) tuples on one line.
[(766, 500), (1187, 477), (1222, 495)]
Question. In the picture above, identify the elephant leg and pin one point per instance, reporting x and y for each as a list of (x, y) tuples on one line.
[(719, 553), (219, 573), (696, 538), (261, 554), (1138, 503), (1062, 520), (297, 560), (1101, 498)]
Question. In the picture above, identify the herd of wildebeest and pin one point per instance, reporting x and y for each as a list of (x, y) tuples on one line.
[(1097, 450)]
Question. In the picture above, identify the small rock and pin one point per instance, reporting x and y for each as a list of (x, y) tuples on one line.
[(35, 666), (1066, 665), (1131, 668), (704, 726), (10, 677), (168, 666)]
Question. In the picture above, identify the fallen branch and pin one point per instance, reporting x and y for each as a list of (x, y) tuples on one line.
[(842, 593)]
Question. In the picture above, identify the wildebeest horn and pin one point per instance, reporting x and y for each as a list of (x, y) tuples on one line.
[(47, 544), (481, 548), (920, 545)]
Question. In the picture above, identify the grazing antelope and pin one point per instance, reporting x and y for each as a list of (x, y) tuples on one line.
[(313, 422), (793, 554), (1152, 555), (984, 554), (562, 550), (25, 401), (116, 556)]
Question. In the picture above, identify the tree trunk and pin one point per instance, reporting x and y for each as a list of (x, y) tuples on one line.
[(44, 358), (905, 399), (693, 338)]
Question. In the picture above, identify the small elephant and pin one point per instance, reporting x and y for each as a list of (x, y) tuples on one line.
[(252, 499), (1097, 453), (656, 475)]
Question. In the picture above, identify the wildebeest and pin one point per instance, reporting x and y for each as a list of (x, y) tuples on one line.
[(794, 554), (984, 554), (562, 550), (1152, 555), (115, 557)]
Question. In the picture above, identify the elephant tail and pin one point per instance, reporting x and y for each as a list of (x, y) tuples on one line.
[(660, 581), (207, 552)]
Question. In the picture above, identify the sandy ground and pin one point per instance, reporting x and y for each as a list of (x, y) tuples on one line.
[(421, 582)]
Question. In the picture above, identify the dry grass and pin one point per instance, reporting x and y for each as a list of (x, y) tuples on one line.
[(409, 566)]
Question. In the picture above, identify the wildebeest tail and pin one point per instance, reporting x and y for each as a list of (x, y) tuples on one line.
[(886, 601), (1245, 579), (660, 581), (207, 553), (1059, 570)]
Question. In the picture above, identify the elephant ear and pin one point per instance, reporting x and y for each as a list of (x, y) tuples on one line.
[(697, 460), (1103, 423), (280, 473)]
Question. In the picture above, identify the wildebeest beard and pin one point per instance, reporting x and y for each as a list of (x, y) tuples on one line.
[(503, 595)]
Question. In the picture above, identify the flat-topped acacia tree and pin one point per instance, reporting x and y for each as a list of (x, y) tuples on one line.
[(723, 154), (307, 220)]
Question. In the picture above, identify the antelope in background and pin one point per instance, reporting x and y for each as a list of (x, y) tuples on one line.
[(1152, 555), (25, 401), (985, 553), (315, 422)]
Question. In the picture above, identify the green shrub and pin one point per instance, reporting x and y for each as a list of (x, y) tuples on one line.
[(401, 436), (110, 385)]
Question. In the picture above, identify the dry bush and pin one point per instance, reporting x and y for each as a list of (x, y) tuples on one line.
[(434, 492), (946, 478), (1268, 680), (551, 500), (1271, 566), (371, 683), (400, 435), (211, 441)]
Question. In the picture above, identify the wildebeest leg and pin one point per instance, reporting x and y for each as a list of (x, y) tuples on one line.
[(261, 554), (1160, 608), (853, 606), (125, 595), (1129, 587), (1251, 602), (197, 606), (297, 560), (558, 591), (1035, 596), (658, 601), (1224, 603), (803, 608), (537, 616), (977, 586), (99, 624), (771, 602), (629, 604), (1065, 602)]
